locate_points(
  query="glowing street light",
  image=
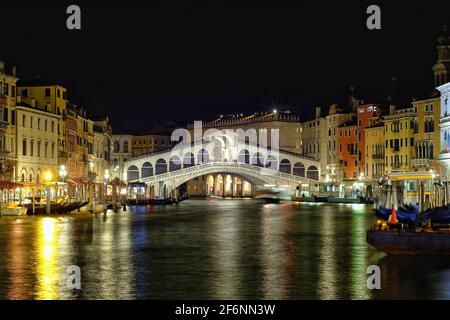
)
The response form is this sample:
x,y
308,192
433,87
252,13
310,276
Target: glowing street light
x,y
106,175
48,176
62,171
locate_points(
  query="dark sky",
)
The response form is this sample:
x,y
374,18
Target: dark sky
x,y
149,64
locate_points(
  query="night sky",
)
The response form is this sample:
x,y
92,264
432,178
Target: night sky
x,y
143,65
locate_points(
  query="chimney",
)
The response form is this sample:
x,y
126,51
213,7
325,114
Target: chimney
x,y
318,111
333,109
13,71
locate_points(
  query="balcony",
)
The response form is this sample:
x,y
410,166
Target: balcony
x,y
420,162
378,156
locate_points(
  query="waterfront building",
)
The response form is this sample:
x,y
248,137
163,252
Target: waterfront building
x,y
375,152
286,122
367,115
8,96
348,151
444,124
48,96
148,143
36,142
399,139
314,141
426,134
100,163
336,117
121,152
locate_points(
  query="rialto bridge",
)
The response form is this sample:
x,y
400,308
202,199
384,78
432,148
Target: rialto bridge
x,y
163,172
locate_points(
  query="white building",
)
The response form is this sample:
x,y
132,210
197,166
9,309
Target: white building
x,y
36,133
444,124
121,151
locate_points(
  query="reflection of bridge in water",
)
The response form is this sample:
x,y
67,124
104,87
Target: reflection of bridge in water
x,y
163,172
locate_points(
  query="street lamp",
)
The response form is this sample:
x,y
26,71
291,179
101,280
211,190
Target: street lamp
x,y
48,177
62,174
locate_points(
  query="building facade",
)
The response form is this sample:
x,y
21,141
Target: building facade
x,y
426,134
121,151
444,124
348,150
36,143
399,140
375,152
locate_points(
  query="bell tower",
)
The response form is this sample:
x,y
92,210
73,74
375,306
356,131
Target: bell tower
x,y
442,67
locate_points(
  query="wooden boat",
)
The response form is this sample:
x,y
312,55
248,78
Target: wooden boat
x,y
410,243
55,208
12,210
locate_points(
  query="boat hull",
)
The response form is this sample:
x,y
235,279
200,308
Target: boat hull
x,y
410,243
402,215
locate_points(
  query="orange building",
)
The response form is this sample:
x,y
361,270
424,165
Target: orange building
x,y
348,150
367,115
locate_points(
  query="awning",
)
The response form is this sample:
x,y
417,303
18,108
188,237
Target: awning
x,y
77,181
8,185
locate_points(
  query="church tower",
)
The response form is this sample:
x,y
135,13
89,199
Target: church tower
x,y
442,67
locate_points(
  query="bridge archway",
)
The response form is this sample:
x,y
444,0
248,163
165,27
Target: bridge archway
x,y
258,159
299,169
146,170
132,173
285,166
312,173
202,156
188,160
174,163
244,156
161,166
272,163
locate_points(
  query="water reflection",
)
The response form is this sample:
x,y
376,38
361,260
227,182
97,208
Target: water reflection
x,y
47,264
209,250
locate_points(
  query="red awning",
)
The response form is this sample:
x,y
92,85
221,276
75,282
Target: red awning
x,y
8,185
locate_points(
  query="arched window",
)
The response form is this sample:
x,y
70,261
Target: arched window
x,y
299,169
125,146
285,166
161,166
244,156
174,163
258,159
116,147
272,163
202,156
132,173
312,173
147,170
188,160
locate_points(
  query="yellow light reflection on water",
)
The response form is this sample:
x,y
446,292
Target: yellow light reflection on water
x,y
47,267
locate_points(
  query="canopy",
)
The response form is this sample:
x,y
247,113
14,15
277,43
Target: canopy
x,y
8,185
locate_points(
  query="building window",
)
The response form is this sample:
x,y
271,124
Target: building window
x,y
125,146
5,114
39,123
53,150
13,117
47,92
24,118
39,148
31,147
53,126
24,147
45,125
58,93
31,122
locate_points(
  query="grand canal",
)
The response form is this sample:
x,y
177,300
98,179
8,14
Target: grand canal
x,y
200,249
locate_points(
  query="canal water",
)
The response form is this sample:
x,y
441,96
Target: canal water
x,y
202,249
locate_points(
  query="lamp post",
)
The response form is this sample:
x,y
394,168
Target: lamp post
x,y
62,174
48,177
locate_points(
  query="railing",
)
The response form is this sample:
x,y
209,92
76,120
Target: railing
x,y
260,171
420,162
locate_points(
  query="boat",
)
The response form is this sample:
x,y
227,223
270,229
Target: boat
x,y
214,197
160,201
405,214
55,208
437,215
12,210
410,243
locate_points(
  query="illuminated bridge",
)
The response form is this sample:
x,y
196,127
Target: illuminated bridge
x,y
163,172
